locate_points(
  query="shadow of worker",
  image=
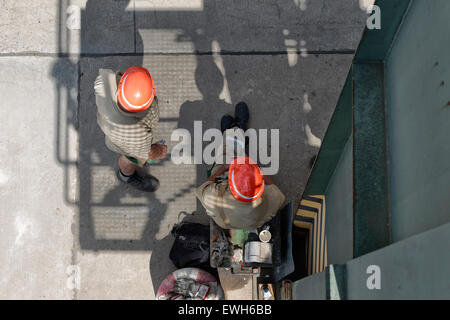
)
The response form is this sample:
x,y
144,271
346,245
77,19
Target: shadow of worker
x,y
208,111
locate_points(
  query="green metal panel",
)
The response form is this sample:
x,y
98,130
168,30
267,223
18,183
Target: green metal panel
x,y
375,44
418,93
338,132
336,282
370,177
401,153
339,209
415,268
310,288
329,284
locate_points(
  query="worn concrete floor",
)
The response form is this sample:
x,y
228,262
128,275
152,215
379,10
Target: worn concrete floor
x,y
68,228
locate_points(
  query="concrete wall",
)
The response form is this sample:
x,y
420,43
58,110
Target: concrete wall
x,y
418,111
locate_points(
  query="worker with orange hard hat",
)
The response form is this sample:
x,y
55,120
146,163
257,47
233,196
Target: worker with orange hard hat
x,y
246,200
127,114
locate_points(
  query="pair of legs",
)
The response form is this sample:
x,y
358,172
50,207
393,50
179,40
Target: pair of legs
x,y
126,166
240,120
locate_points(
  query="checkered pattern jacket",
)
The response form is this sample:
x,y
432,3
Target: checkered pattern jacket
x,y
127,135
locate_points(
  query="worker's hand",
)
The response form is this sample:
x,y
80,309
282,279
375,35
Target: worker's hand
x,y
219,172
158,151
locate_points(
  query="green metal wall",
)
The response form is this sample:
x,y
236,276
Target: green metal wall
x,y
418,120
415,268
387,187
339,209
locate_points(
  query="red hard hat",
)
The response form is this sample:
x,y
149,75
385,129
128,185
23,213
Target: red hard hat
x,y
245,179
136,89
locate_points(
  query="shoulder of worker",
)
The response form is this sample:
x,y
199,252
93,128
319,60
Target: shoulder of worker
x,y
210,189
201,190
274,194
100,81
105,89
273,202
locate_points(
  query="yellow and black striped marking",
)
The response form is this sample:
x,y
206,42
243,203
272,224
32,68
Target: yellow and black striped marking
x,y
311,216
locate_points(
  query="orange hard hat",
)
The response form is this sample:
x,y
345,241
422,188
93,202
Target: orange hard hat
x,y
136,89
245,179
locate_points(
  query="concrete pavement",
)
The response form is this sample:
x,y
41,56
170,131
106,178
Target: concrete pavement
x,y
69,229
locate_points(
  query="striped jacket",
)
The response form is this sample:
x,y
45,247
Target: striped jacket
x,y
130,134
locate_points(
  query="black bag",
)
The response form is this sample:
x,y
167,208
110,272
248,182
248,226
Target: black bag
x,y
191,246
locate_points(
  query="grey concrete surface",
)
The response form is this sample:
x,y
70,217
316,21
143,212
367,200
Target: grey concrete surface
x,y
29,26
36,242
126,26
64,214
249,26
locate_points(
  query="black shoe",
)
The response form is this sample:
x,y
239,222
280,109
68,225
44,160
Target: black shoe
x,y
241,115
227,122
145,182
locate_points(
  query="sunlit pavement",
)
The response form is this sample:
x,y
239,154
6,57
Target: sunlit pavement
x,y
69,229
